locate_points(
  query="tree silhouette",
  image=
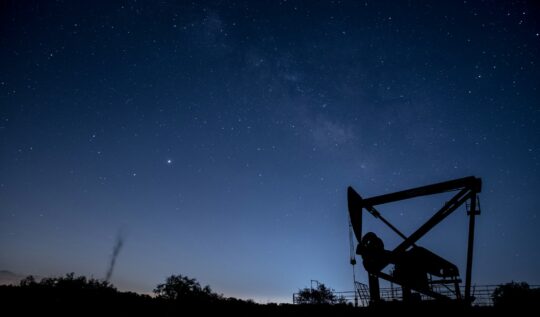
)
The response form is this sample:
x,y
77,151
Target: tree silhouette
x,y
319,295
187,290
515,294
75,295
68,283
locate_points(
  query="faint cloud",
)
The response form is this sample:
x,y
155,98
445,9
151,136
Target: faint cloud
x,y
10,278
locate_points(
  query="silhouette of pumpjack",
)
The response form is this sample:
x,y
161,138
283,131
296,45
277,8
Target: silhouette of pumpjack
x,y
414,266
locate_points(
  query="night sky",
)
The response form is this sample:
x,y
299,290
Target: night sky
x,y
218,138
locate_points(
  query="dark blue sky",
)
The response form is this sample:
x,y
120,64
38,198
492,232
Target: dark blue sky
x,y
220,137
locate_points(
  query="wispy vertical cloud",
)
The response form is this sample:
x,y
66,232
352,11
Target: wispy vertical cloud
x,y
116,251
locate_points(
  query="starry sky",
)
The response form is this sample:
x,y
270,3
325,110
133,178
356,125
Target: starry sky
x,y
217,139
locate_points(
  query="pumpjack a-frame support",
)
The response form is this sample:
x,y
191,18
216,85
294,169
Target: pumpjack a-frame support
x,y
413,264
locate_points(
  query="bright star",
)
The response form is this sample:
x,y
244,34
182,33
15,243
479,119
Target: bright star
x,y
169,161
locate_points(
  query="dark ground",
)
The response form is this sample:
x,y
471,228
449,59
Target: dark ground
x,y
43,301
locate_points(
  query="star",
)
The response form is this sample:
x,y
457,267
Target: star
x,y
169,161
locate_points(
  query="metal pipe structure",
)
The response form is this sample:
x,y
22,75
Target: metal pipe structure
x,y
413,264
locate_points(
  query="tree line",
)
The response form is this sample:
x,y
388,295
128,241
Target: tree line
x,y
177,293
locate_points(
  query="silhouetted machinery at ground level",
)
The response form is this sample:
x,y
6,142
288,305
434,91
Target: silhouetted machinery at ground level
x,y
415,268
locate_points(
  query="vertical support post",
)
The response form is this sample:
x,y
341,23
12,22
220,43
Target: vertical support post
x,y
470,246
374,291
457,291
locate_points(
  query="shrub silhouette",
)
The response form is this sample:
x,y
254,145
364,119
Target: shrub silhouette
x,y
319,295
